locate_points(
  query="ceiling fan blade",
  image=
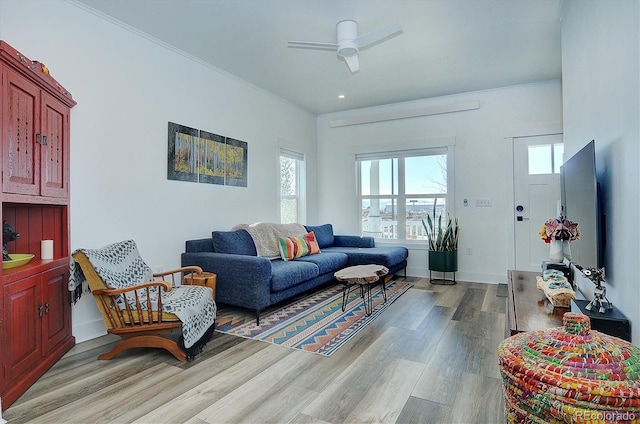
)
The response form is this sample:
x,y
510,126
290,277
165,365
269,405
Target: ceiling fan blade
x,y
353,63
378,36
312,45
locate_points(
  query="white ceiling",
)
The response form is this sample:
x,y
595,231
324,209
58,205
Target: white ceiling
x,y
447,46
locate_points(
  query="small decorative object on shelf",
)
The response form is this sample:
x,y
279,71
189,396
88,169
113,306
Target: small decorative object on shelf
x,y
556,287
17,259
8,234
600,293
559,233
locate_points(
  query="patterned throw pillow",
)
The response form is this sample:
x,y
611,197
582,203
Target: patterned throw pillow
x,y
292,247
312,243
297,247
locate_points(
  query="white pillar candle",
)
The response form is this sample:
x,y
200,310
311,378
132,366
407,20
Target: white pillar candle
x,y
46,249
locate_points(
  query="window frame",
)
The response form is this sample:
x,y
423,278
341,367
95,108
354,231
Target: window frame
x,y
402,196
300,177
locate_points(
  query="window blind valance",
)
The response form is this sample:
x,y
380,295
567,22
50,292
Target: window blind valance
x,y
401,153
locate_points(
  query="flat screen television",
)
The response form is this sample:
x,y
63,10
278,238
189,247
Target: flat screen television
x,y
581,203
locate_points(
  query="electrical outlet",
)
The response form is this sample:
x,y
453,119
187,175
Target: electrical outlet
x,y
483,203
469,251
158,269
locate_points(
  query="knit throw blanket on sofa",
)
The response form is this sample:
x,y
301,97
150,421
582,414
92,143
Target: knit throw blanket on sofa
x,y
119,265
266,236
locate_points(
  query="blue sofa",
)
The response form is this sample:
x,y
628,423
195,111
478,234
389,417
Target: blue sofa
x,y
250,281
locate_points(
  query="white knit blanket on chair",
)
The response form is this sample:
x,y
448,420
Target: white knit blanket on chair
x,y
120,265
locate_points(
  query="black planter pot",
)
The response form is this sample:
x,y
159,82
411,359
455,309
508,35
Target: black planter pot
x,y
443,261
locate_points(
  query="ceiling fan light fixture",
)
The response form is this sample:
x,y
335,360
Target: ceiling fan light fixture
x,y
348,51
348,43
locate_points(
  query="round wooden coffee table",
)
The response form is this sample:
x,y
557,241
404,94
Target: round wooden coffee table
x,y
364,276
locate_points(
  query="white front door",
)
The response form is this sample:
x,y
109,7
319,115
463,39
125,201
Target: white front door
x,y
536,174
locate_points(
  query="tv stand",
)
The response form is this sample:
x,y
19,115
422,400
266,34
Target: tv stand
x,y
527,307
612,322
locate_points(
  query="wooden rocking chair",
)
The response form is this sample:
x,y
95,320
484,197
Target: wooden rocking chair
x,y
138,326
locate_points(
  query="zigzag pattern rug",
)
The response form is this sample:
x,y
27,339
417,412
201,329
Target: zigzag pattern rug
x,y
314,323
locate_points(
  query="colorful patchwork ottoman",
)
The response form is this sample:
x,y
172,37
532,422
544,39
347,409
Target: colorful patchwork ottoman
x,y
570,374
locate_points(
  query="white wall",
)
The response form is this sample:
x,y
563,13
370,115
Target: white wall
x,y
482,165
127,88
601,72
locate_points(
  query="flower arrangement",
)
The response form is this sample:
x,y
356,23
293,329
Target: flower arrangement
x,y
559,229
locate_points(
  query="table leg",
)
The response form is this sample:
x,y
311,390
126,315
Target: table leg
x,y
384,290
365,292
346,289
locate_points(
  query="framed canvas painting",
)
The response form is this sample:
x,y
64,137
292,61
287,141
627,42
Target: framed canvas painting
x,y
182,159
236,163
211,158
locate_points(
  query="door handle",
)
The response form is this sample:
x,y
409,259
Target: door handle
x,y
521,218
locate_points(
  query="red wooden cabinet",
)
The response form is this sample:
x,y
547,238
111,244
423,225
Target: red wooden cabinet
x,y
54,148
20,118
36,328
35,313
23,347
35,138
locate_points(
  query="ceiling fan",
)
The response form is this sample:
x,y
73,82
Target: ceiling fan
x,y
348,43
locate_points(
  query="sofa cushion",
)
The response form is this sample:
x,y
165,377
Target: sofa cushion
x,y
312,242
285,274
237,242
292,247
387,255
327,262
297,247
324,234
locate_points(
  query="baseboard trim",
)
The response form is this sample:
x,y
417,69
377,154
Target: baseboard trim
x,y
472,277
88,331
2,421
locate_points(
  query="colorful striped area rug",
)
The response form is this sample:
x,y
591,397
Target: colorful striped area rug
x,y
314,323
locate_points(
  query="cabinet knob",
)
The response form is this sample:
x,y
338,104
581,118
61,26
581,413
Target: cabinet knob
x,y
46,307
38,138
44,140
40,311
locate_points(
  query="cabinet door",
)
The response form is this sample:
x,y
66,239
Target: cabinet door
x,y
20,123
21,326
54,148
56,320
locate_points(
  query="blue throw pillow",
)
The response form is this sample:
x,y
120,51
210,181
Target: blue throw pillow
x,y
324,234
237,242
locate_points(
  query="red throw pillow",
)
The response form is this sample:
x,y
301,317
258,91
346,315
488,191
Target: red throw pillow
x,y
312,243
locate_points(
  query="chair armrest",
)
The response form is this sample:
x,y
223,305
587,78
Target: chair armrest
x,y
353,241
195,269
114,292
177,273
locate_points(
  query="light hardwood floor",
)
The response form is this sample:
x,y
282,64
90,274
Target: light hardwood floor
x,y
431,357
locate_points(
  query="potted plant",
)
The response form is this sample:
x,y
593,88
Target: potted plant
x,y
443,233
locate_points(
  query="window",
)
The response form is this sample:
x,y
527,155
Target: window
x,y
291,187
398,189
545,158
